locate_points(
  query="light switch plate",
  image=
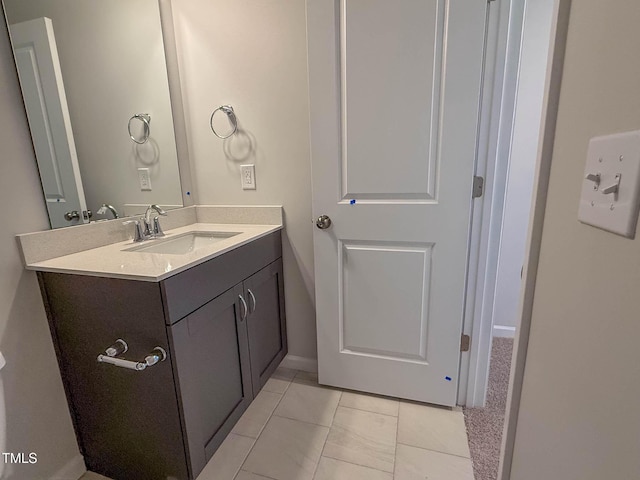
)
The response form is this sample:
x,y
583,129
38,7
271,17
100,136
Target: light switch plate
x,y
608,157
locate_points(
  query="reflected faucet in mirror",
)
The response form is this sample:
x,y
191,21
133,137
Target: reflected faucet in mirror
x,y
103,209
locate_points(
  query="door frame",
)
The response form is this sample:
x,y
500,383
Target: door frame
x,y
502,54
495,140
478,248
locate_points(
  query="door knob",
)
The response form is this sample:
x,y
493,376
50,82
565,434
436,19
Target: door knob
x,y
69,216
323,222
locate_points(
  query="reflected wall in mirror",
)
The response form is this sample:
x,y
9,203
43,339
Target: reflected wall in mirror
x,y
87,67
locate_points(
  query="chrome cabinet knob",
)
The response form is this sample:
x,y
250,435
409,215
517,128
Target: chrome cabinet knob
x,y
323,222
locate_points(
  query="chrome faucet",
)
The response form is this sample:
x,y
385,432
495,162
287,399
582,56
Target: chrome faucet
x,y
153,230
138,236
111,208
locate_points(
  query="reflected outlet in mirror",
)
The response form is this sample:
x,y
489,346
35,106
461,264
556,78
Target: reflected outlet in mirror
x,y
183,244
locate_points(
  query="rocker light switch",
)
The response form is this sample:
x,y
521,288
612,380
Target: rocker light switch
x,y
610,196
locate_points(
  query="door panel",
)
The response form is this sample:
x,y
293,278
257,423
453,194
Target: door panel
x,y
395,94
45,100
390,97
364,274
212,360
266,322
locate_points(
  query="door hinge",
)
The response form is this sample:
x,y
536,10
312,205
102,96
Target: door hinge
x,y
465,343
478,187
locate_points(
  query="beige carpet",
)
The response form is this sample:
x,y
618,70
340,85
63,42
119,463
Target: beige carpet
x,y
484,425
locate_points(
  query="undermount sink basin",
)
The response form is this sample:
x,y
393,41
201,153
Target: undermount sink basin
x,y
183,244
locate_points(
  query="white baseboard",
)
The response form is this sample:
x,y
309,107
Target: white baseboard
x,y
72,470
504,331
300,363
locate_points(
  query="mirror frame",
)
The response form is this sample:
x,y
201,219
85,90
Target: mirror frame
x,y
175,97
177,103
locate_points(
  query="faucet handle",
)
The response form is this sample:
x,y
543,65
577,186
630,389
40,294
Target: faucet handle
x,y
148,231
138,236
157,229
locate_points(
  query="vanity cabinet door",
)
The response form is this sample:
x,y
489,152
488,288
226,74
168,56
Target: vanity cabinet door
x,y
266,322
211,357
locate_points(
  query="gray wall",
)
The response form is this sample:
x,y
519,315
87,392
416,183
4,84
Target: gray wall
x,y
37,415
578,416
253,55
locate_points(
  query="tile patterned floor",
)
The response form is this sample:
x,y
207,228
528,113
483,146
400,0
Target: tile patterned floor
x,y
298,430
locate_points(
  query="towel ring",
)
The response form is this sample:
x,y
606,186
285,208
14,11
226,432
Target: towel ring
x,y
145,118
231,115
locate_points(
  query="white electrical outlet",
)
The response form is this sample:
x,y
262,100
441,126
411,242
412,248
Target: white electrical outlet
x,y
144,179
248,177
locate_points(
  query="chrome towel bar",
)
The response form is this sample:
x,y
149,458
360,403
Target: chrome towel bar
x,y
158,354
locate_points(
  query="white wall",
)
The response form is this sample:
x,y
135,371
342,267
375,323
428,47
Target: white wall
x,y
524,145
578,418
37,415
121,74
253,56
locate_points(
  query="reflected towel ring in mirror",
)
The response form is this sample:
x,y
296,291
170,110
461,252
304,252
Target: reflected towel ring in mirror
x,y
228,109
145,118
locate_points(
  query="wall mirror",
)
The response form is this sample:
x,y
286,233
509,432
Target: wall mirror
x,y
97,93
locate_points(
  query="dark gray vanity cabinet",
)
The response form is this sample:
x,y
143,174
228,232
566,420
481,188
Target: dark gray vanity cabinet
x,y
223,327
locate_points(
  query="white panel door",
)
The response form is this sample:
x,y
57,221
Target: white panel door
x,y
395,95
45,100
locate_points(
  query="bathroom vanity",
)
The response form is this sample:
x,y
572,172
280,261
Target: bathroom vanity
x,y
202,338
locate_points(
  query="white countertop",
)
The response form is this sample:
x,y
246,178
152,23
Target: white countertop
x,y
115,262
